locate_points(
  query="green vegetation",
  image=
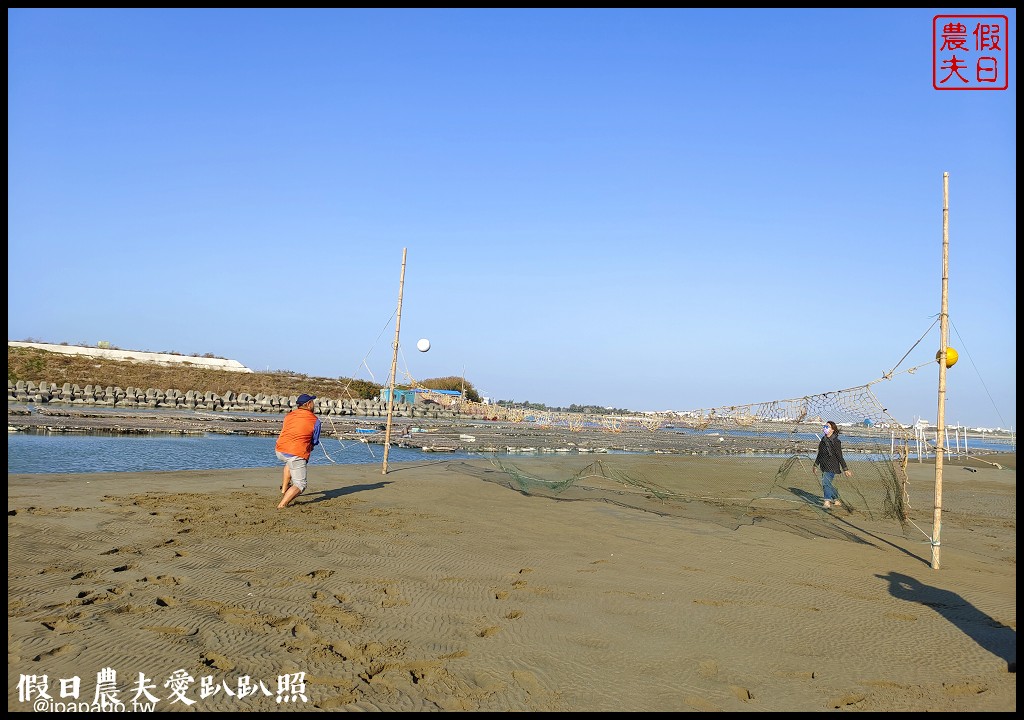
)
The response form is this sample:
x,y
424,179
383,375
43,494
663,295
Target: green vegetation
x,y
30,364
454,383
574,408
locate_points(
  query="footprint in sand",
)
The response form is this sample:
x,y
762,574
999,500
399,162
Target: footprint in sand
x,y
61,626
216,660
56,652
846,700
160,580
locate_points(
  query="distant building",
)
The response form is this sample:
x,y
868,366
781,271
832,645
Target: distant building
x,y
419,395
165,359
407,397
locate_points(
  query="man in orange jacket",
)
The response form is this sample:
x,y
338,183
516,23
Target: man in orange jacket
x,y
300,433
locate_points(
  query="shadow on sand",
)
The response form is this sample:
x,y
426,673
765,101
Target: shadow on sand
x,y
340,492
992,635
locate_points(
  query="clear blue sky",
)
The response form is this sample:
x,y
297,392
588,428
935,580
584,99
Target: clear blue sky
x,y
643,209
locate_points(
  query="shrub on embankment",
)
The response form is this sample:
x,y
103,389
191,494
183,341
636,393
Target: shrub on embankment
x,y
32,365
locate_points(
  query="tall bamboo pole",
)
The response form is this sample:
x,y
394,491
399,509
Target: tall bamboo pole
x,y
394,367
943,340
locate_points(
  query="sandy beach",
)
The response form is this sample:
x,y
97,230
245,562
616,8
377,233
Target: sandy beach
x,y
441,587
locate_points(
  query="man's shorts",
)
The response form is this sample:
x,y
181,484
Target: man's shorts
x,y
297,469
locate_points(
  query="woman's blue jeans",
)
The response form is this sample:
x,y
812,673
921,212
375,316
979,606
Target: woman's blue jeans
x,y
827,487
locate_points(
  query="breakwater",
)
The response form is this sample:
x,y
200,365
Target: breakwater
x,y
69,394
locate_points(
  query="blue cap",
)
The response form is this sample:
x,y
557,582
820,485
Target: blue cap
x,y
304,398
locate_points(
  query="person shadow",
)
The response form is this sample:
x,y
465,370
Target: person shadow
x,y
989,633
332,493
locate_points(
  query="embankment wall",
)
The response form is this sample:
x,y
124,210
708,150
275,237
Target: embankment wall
x,y
47,393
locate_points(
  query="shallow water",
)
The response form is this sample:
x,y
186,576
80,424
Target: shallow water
x,y
79,453
86,453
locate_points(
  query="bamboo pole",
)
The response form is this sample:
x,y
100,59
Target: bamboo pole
x,y
394,367
943,340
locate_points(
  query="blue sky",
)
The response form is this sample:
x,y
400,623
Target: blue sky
x,y
643,209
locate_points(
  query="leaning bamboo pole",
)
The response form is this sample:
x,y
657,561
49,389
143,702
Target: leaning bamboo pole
x,y
943,340
394,368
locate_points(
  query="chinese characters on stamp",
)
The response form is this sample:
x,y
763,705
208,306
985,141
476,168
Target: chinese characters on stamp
x,y
970,52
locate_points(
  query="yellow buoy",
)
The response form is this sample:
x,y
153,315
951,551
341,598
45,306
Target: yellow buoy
x,y
951,356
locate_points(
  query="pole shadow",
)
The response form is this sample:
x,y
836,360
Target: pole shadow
x,y
411,465
989,633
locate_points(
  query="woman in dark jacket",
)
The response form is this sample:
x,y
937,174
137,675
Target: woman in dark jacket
x,y
830,460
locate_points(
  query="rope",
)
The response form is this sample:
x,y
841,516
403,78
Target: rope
x,y
346,393
888,375
963,345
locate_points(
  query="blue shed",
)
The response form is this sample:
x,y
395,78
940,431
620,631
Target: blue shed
x,y
401,396
410,396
